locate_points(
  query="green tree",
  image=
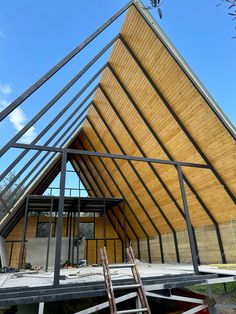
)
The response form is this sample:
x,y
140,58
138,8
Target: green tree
x,y
12,194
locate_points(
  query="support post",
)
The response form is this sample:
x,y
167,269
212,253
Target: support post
x,y
189,227
104,225
41,308
124,220
21,256
3,252
78,229
49,234
70,225
60,220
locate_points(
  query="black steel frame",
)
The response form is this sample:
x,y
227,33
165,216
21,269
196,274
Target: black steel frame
x,y
65,152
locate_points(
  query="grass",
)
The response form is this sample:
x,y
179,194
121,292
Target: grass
x,y
217,289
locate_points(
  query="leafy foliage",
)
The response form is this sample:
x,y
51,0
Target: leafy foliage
x,y
5,201
156,4
231,7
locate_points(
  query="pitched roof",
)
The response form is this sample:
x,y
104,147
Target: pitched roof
x,y
149,103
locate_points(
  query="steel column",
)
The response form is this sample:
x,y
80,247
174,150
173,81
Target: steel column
x,y
78,230
49,235
24,228
60,220
188,220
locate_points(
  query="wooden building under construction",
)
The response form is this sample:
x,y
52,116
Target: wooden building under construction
x,y
154,153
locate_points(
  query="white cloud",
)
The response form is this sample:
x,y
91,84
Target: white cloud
x,y
17,117
2,34
5,89
19,120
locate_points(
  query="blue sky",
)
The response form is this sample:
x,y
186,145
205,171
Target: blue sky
x,y
35,35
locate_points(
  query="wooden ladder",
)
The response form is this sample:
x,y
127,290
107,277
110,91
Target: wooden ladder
x,y
142,299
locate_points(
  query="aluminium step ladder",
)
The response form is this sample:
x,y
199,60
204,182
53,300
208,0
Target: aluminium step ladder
x,y
142,298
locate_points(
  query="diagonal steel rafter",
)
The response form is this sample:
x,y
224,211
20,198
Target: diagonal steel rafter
x,y
62,63
39,152
51,158
53,121
60,127
56,98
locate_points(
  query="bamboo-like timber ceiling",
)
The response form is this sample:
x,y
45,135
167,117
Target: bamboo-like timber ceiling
x,y
127,112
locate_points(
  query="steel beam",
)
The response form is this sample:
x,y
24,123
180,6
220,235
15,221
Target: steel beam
x,y
108,155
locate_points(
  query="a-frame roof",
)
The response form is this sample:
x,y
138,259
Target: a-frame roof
x,y
148,103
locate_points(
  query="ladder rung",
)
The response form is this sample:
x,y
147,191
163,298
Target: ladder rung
x,y
132,311
127,286
121,266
